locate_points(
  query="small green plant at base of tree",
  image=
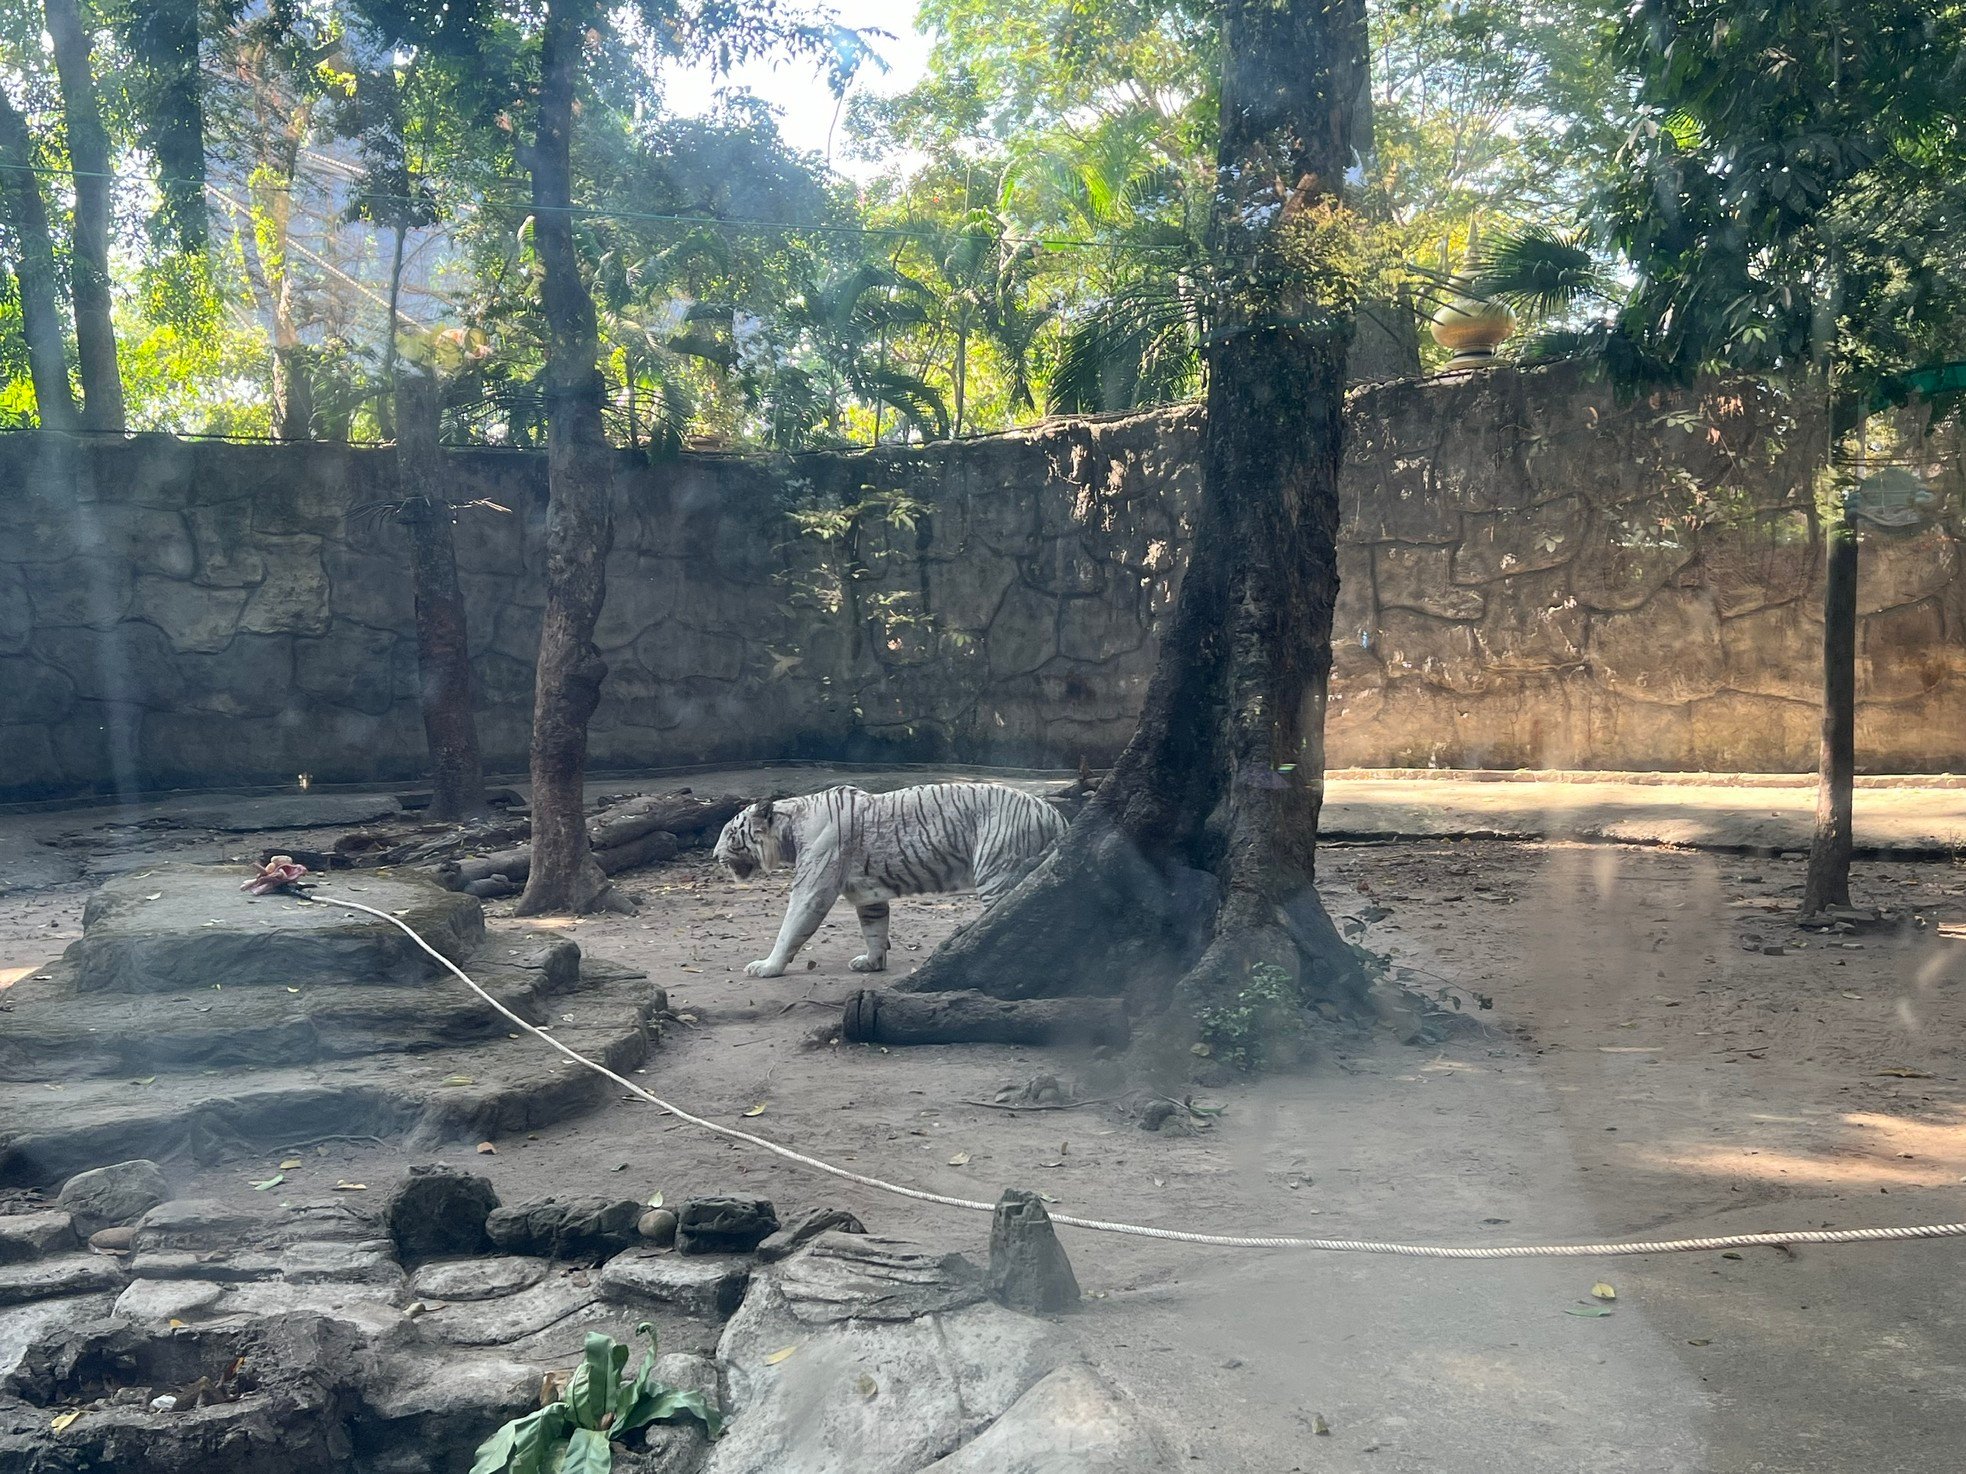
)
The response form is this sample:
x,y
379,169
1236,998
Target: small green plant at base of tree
x,y
573,1435
1264,1024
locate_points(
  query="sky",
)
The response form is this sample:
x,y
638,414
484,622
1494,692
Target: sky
x,y
805,105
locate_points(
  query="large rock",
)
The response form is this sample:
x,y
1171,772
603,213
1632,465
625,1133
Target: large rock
x,y
830,1373
843,1277
724,1225
588,1229
112,1196
1072,1422
438,1211
182,928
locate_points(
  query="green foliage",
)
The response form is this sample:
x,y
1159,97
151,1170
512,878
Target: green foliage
x,y
573,1434
1792,194
1670,186
1262,1026
1541,271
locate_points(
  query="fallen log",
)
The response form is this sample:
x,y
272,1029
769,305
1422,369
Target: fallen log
x,y
650,849
680,814
516,864
881,1016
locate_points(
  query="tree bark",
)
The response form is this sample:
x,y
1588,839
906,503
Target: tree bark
x,y
281,130
89,284
1195,860
1827,883
40,300
443,646
579,524
399,233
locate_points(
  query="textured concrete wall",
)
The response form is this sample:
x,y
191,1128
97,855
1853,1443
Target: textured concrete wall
x,y
1534,574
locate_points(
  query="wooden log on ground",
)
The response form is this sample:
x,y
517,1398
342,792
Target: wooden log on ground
x,y
650,849
514,865
881,1016
681,814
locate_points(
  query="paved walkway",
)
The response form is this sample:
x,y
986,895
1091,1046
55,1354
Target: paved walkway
x,y
1893,817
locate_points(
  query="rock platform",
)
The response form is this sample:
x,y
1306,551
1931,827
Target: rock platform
x,y
194,1020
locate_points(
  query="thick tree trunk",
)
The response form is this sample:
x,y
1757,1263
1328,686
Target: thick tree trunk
x,y
89,284
443,647
1828,880
1195,861
579,525
40,300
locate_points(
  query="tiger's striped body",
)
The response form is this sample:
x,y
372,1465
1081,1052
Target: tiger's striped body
x,y
874,847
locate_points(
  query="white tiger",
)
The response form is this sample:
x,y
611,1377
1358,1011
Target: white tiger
x,y
872,847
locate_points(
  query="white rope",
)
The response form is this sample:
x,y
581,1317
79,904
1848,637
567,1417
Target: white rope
x,y
1182,1236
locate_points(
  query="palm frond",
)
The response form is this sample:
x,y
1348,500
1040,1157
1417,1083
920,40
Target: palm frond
x,y
1540,272
1138,347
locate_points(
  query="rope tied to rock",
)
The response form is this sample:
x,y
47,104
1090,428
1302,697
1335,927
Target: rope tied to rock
x,y
1174,1235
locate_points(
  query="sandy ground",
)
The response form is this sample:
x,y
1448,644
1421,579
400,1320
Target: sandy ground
x,y
1666,1055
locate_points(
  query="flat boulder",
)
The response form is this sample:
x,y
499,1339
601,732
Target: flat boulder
x,y
59,1277
489,1278
842,1277
703,1288
176,928
26,1236
112,1196
814,1222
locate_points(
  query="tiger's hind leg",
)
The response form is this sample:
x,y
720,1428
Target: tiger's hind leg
x,y
873,930
998,877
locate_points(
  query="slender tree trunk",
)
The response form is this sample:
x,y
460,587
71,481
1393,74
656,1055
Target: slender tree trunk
x,y
40,301
1195,860
579,525
962,371
386,404
443,646
89,284
1827,883
270,272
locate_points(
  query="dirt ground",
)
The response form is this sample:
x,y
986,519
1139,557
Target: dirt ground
x,y
1666,1056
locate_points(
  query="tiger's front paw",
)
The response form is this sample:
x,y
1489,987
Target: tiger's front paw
x,y
764,968
867,962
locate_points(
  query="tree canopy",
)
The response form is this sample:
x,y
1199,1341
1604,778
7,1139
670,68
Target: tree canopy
x,y
305,192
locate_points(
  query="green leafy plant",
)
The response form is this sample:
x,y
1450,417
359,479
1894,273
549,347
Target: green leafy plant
x,y
1263,1025
574,1434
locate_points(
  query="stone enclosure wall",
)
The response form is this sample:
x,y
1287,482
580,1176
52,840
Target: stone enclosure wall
x,y
1534,574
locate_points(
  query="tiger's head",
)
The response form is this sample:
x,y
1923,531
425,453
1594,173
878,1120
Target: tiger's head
x,y
759,838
